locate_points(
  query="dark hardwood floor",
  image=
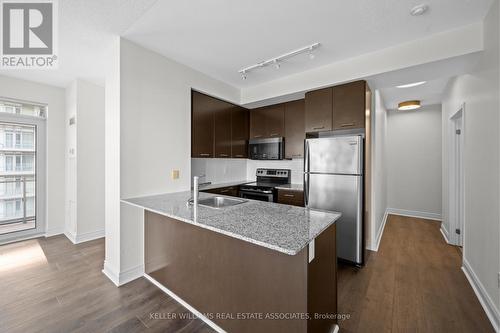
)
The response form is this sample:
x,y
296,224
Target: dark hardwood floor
x,y
414,283
51,285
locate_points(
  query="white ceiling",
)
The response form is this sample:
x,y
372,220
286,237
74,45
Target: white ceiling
x,y
219,37
436,74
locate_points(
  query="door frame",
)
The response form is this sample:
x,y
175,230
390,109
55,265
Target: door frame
x,y
40,174
456,178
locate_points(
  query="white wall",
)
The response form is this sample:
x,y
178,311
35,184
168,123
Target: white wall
x,y
90,160
71,162
149,96
479,91
55,99
84,161
414,161
379,171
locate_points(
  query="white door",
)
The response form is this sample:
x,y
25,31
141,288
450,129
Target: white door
x,y
22,176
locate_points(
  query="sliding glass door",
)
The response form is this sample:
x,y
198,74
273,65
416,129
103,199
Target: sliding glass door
x,y
22,175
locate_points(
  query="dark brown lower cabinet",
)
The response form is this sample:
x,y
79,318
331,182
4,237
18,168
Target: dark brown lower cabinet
x,y
291,197
225,277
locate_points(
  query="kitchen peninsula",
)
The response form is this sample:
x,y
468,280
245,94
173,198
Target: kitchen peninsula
x,y
252,267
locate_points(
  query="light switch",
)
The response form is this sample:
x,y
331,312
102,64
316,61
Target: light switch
x,y
175,174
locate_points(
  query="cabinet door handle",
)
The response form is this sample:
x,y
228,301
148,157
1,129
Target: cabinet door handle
x,y
274,134
224,191
297,155
257,136
347,125
289,195
238,155
318,128
223,155
204,155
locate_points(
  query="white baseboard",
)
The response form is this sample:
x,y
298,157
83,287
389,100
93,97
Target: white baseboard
x,y
380,233
54,232
414,213
84,237
121,278
71,236
185,304
485,300
444,232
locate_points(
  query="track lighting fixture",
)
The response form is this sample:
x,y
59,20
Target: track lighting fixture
x,y
276,62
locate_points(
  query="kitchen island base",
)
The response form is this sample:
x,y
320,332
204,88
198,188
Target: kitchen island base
x,y
240,286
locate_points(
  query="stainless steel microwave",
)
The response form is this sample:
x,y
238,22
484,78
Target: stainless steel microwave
x,y
266,149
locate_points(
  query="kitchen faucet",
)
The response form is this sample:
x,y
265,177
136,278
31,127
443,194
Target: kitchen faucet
x,y
196,184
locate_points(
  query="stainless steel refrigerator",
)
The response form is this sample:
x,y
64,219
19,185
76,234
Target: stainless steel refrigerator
x,y
333,180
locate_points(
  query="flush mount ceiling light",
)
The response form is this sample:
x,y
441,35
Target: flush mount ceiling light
x,y
276,62
419,10
409,105
411,85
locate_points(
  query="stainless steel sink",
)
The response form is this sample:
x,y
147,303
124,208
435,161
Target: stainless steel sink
x,y
220,202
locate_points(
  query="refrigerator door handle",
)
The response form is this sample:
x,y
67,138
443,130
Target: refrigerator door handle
x,y
307,159
306,189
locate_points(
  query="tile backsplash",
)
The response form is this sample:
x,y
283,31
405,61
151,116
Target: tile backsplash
x,y
219,170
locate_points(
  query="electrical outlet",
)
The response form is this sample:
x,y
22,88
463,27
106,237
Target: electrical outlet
x,y
175,174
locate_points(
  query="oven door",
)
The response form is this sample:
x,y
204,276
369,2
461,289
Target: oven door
x,y
257,195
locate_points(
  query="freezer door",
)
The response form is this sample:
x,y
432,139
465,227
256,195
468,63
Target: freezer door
x,y
344,194
338,155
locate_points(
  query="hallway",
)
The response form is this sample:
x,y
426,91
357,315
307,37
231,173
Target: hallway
x,y
414,283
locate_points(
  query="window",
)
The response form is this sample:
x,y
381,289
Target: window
x,y
18,163
28,140
18,140
27,163
8,140
7,106
8,163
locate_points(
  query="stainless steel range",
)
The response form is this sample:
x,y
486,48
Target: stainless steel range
x,y
264,188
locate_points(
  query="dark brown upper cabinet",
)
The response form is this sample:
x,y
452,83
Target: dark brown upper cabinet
x,y
275,120
202,125
318,114
294,129
222,129
219,129
239,132
349,105
258,123
267,122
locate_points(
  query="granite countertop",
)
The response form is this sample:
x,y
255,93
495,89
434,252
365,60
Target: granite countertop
x,y
292,187
283,228
225,184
